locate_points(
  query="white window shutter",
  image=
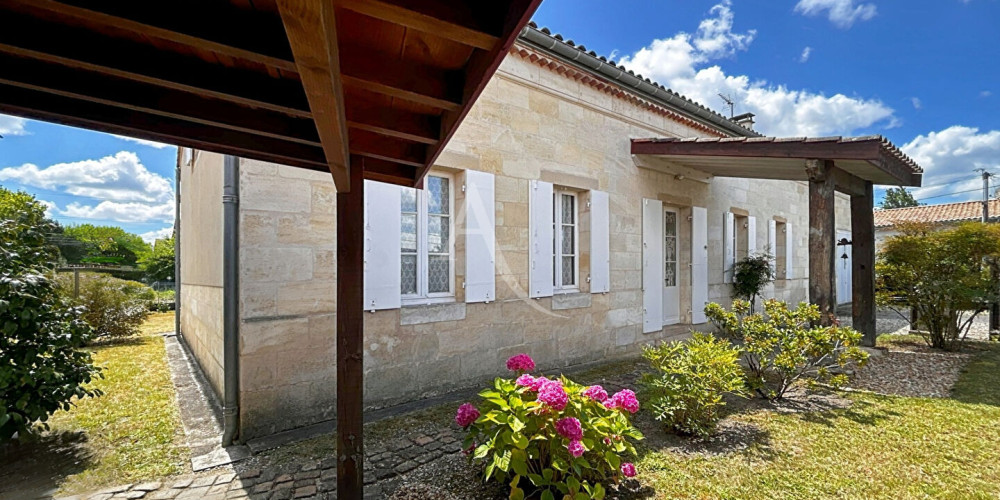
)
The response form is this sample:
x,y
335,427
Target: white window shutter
x,y
652,265
540,239
772,245
751,235
600,243
728,247
699,264
382,246
480,237
789,251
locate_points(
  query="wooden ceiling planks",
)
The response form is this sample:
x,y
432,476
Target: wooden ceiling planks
x,y
233,76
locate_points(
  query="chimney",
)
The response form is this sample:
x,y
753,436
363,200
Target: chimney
x,y
745,120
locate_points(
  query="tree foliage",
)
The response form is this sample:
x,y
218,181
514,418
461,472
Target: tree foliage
x,y
107,245
899,198
942,273
42,367
159,264
750,276
780,347
114,308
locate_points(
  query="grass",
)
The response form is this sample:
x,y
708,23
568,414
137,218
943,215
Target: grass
x,y
131,433
880,447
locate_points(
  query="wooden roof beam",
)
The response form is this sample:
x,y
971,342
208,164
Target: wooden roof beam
x,y
146,98
422,20
365,70
372,145
115,120
312,32
394,123
390,172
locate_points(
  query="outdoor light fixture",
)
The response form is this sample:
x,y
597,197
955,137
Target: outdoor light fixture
x,y
843,243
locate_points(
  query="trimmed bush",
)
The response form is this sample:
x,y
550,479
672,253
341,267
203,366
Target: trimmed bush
x,y
554,437
779,347
690,380
115,308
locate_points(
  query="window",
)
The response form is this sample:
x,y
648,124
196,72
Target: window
x,y
740,236
780,250
670,248
427,269
565,247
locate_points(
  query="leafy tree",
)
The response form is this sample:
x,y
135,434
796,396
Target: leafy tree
x,y
942,273
42,367
899,198
750,276
108,245
159,264
114,308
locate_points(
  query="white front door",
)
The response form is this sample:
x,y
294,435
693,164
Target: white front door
x,y
671,290
843,267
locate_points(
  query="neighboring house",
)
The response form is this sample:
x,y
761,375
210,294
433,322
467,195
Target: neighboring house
x,y
537,231
945,214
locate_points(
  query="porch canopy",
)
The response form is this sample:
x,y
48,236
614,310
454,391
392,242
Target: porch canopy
x,y
828,164
363,89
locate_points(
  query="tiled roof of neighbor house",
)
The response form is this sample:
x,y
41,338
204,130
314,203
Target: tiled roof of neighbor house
x,y
589,61
946,212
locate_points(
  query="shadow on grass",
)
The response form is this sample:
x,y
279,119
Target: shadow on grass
x,y
36,465
979,382
860,412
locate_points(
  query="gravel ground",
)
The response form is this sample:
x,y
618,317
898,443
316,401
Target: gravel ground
x,y
911,373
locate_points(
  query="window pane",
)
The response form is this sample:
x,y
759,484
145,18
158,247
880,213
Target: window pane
x,y
670,250
409,233
670,274
568,214
409,200
437,234
408,275
670,228
568,244
438,195
439,277
568,271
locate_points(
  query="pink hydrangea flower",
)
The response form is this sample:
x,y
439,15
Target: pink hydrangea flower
x,y
466,415
624,399
537,383
553,394
628,469
569,428
525,380
597,393
576,448
520,363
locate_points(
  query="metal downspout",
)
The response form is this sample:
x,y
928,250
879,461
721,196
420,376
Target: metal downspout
x,y
177,244
230,300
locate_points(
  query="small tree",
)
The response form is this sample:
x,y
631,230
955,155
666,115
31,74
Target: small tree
x,y
898,198
114,308
780,347
159,264
942,273
750,276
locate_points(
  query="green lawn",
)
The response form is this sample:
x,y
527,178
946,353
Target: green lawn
x,y
129,434
879,447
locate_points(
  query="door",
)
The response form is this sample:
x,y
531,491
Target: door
x,y
671,291
843,267
652,265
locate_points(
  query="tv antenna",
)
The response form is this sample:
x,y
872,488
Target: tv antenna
x,y
729,102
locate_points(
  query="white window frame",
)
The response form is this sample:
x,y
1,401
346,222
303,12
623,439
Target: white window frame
x,y
423,296
557,254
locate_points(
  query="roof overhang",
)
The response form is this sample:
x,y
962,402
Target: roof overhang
x,y
316,84
872,159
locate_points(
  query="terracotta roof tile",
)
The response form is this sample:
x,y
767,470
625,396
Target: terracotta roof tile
x,y
946,212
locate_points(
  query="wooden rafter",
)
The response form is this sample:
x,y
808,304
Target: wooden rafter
x,y
312,33
421,21
367,70
395,123
373,145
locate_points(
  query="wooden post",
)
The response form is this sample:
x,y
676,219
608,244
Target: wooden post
x,y
350,335
863,258
822,230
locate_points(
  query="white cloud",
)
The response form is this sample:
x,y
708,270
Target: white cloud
x,y
151,236
806,52
780,111
842,13
120,178
949,158
916,103
121,212
985,93
12,125
144,142
50,207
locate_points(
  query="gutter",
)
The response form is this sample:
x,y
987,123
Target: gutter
x,y
626,79
230,299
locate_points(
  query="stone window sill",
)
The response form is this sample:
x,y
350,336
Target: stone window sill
x,y
563,301
431,313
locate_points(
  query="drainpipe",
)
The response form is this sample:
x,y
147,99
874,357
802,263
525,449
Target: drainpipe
x,y
177,243
230,300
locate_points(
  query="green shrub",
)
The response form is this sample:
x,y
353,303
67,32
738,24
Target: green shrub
x,y
690,380
779,347
750,276
42,367
115,308
556,437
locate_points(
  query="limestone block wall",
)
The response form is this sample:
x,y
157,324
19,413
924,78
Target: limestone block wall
x,y
201,264
287,297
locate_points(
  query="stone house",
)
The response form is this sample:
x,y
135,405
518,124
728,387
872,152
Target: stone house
x,y
942,213
537,231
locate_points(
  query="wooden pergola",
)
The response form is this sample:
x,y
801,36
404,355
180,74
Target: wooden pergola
x,y
364,89
829,164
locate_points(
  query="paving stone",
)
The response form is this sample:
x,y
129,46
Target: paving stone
x,y
154,485
183,483
219,489
281,494
303,482
202,481
310,466
193,493
100,496
433,445
328,474
423,440
236,495
311,474
262,487
164,494
401,444
132,495
116,489
405,467
283,478
305,491
225,478
250,473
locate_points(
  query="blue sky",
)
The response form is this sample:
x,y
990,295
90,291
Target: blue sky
x,y
923,73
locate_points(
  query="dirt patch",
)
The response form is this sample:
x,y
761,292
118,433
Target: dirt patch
x,y
914,373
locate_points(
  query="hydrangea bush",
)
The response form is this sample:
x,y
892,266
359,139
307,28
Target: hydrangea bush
x,y
552,436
